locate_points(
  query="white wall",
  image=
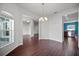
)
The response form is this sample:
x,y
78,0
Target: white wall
x,y
43,30
32,28
53,28
26,28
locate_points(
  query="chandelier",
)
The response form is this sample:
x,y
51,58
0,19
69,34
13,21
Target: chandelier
x,y
43,17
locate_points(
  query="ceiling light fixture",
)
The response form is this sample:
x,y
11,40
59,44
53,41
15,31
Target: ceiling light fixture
x,y
43,18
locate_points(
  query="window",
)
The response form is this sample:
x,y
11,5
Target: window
x,y
6,29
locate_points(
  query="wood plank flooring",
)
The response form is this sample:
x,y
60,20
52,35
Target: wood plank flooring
x,y
36,47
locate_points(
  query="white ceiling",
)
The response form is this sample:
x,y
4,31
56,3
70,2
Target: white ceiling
x,y
50,8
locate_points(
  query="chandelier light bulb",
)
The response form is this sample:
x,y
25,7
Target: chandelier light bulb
x,y
40,18
45,18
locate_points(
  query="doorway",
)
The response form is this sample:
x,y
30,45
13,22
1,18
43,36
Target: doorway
x,y
70,34
36,30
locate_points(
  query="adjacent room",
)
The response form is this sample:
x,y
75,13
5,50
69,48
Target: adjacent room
x,y
39,29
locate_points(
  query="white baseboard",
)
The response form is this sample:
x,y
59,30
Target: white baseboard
x,y
57,40
12,49
43,38
51,39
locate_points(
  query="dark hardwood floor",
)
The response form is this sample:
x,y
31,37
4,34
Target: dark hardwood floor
x,y
70,46
35,47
